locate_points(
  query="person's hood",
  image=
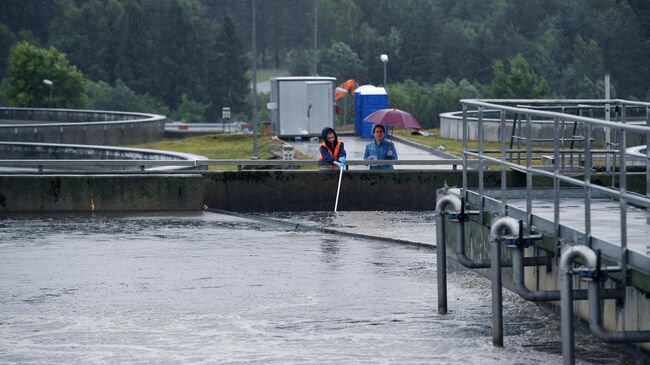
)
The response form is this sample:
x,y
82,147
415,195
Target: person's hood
x,y
326,130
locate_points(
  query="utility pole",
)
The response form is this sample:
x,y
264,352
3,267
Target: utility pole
x,y
315,70
608,131
254,81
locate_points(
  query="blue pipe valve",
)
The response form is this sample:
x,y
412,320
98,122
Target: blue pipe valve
x,y
457,217
588,275
524,241
511,241
461,216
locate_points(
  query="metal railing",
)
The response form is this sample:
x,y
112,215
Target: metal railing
x,y
622,130
142,165
587,124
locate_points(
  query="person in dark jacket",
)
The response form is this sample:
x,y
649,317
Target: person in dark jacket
x,y
332,151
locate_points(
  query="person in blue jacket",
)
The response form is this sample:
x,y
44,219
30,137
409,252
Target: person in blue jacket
x,y
332,151
380,149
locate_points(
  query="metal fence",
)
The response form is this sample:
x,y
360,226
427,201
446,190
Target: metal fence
x,y
631,122
142,165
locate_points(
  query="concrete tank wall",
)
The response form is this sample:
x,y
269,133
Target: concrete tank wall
x,y
51,193
316,190
52,151
79,126
247,191
243,191
451,127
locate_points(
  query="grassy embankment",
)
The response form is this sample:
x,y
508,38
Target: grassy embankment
x,y
455,147
224,147
239,146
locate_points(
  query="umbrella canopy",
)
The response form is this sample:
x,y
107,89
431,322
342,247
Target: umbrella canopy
x,y
394,118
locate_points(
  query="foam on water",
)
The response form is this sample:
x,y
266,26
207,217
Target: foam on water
x,y
205,288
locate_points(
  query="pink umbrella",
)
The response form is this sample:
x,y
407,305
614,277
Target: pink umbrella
x,y
394,118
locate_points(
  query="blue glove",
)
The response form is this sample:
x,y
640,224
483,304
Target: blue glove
x,y
342,161
340,165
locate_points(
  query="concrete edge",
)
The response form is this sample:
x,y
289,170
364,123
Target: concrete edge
x,y
322,229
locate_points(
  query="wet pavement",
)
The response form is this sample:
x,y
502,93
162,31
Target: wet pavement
x,y
205,288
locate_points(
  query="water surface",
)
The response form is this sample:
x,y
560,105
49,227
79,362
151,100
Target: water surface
x,y
204,288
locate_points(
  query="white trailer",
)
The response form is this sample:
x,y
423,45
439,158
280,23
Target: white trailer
x,y
301,105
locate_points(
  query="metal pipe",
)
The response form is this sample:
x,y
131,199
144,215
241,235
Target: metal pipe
x,y
503,226
465,143
441,247
463,259
595,322
566,303
518,279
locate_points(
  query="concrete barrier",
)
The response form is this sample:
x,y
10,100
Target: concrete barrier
x,y
242,191
316,190
247,191
79,126
51,193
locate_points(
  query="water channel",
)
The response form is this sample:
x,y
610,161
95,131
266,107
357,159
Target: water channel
x,y
206,288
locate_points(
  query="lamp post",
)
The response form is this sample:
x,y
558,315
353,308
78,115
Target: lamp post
x,y
384,60
315,55
254,80
50,84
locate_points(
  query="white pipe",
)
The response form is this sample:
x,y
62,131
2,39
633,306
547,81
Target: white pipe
x,y
441,247
566,302
338,190
502,227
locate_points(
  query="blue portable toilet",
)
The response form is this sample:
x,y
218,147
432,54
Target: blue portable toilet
x,y
367,99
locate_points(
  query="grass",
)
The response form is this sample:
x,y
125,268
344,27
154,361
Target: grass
x,y
455,147
224,147
450,146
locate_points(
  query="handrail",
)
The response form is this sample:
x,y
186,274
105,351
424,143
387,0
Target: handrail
x,y
151,163
562,116
618,133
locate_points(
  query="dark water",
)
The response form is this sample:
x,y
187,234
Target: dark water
x,y
204,288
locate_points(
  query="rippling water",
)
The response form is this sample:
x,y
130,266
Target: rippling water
x,y
205,288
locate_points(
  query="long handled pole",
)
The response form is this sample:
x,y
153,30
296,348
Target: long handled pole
x,y
338,190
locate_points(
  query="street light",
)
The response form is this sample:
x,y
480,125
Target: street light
x,y
384,60
254,81
50,84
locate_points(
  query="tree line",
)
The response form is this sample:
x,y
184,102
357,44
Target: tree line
x,y
191,57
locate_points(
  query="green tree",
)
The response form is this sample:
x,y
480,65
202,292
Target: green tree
x,y
228,82
519,83
299,62
29,66
120,97
189,110
33,16
584,76
341,62
427,101
7,41
87,34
